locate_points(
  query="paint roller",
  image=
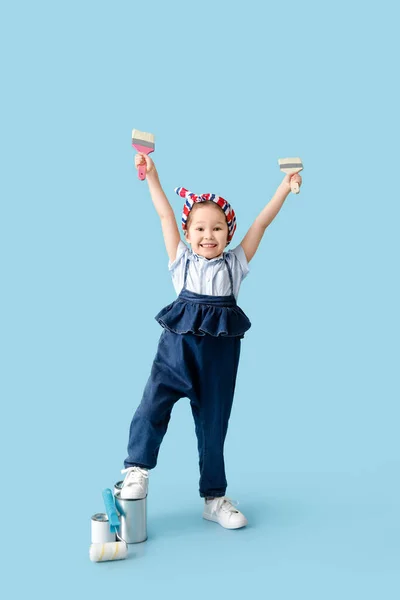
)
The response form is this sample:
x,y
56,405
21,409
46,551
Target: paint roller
x,y
109,550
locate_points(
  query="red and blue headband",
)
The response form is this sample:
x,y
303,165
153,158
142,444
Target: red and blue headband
x,y
190,200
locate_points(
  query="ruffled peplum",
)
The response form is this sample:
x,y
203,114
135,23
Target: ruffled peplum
x,y
204,315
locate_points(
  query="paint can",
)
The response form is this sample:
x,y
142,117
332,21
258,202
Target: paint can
x,y
118,486
133,518
101,533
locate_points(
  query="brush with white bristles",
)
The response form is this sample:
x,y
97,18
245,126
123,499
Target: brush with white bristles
x,y
291,166
144,143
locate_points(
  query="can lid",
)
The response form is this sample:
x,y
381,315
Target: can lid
x,y
100,517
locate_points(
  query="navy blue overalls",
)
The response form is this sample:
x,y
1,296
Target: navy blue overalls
x,y
197,358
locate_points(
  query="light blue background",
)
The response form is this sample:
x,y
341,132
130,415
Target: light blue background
x,y
313,450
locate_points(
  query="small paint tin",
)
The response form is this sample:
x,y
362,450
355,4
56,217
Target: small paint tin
x,y
101,533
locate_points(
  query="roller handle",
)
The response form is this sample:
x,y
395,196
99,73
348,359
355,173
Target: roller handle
x,y
110,509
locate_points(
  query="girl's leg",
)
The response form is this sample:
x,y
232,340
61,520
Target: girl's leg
x,y
168,382
217,364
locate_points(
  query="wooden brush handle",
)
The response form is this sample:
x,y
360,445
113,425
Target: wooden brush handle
x,y
294,187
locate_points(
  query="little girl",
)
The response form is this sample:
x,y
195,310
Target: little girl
x,y
198,351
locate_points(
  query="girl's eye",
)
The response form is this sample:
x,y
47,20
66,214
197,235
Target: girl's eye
x,y
217,228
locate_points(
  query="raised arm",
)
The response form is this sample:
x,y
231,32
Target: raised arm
x,y
254,235
164,209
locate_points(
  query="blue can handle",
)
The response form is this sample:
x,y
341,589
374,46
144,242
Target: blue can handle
x,y
110,509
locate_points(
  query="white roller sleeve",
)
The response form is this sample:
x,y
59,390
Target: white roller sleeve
x,y
109,551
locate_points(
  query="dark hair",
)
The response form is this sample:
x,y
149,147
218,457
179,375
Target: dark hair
x,y
209,202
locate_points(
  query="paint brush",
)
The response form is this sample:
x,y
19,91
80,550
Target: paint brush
x,y
143,142
291,166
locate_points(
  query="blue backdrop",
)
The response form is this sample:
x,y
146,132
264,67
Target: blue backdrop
x,y
312,451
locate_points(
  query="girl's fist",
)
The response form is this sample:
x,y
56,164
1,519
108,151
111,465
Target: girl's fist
x,y
292,178
142,159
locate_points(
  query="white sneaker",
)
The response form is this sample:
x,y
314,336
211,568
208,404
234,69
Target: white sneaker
x,y
222,511
135,484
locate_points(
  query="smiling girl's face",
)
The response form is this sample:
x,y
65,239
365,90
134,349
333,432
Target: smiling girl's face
x,y
207,230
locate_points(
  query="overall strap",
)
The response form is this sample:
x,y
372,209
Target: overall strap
x,y
186,271
230,273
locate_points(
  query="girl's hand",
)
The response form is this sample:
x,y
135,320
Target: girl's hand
x,y
292,178
144,159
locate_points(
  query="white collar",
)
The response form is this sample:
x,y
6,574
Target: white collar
x,y
209,260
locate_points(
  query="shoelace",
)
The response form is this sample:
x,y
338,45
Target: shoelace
x,y
136,475
225,504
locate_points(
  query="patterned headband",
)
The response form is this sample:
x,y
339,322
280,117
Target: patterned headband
x,y
222,203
